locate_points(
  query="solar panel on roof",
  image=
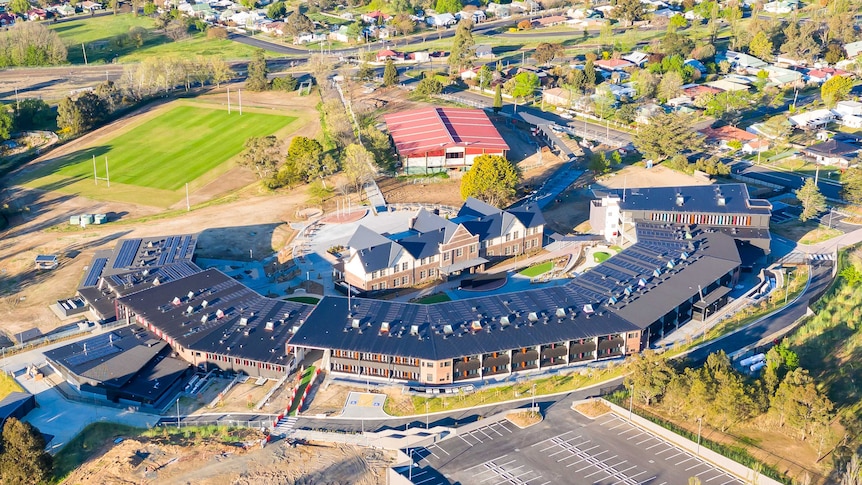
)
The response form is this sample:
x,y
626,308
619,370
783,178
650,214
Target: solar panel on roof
x,y
127,253
94,272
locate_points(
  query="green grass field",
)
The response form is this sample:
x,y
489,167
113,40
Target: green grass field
x,y
8,385
88,441
150,162
104,39
600,256
536,270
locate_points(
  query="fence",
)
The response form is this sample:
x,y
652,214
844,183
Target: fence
x,y
260,424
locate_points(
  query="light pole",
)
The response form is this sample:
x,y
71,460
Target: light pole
x,y
178,413
533,405
631,401
699,425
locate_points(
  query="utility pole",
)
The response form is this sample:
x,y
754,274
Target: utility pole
x,y
239,92
699,424
228,100
188,206
84,51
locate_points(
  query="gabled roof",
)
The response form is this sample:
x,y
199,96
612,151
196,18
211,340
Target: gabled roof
x,y
728,133
476,208
436,128
426,222
529,215
364,238
379,257
833,148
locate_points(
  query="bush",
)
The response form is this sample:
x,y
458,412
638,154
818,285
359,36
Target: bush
x,y
219,33
429,86
286,83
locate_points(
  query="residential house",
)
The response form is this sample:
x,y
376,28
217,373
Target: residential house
x,y
781,7
681,100
817,76
91,6
812,119
37,14
755,146
340,34
665,12
441,20
790,61
421,56
696,65
727,134
274,28
832,152
621,91
744,62
65,10
647,111
375,17
471,73
696,90
781,77
729,84
387,54
612,65
852,121
637,58
309,38
848,108
557,97
476,16
499,10
853,49
550,21
531,7
483,51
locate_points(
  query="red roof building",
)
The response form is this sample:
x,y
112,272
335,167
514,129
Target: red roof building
x,y
700,89
435,139
614,64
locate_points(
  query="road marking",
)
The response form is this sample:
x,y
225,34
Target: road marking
x,y
657,444
484,433
551,438
635,436
464,440
617,426
683,461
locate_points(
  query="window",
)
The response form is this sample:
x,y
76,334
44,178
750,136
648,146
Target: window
x,y
395,282
395,268
472,248
516,234
403,266
447,364
515,248
459,252
506,250
382,285
429,377
403,280
446,256
374,287
508,237
373,275
422,275
452,155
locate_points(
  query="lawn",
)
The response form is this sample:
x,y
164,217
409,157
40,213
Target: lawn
x,y
808,232
435,298
195,141
600,256
88,441
537,269
104,39
8,385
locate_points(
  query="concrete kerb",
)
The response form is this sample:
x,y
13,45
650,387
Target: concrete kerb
x,y
736,469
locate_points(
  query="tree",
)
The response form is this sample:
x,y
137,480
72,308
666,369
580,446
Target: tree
x,y
69,117
674,44
285,83
852,471
851,180
645,83
390,74
462,54
19,6
305,154
491,179
31,114
835,89
403,23
485,76
670,85
799,41
545,52
760,46
777,127
298,23
525,24
150,8
798,403
23,459
498,98
629,11
523,84
590,75
599,163
262,154
380,146
676,22
31,44
649,377
429,86
448,6
256,80
220,70
5,123
356,165
668,134
813,202
276,10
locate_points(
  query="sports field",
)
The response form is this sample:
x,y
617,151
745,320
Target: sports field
x,y
151,160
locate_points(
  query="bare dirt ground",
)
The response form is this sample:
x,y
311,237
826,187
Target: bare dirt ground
x,y
145,462
634,176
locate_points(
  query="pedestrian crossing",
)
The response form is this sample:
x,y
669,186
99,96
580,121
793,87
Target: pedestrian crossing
x,y
284,426
822,257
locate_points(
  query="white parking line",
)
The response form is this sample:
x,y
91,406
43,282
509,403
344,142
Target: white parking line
x,y
683,461
710,469
720,475
484,433
662,451
491,428
626,431
464,440
441,449
617,426
644,441
549,439
635,436
435,456
674,456
613,418
657,444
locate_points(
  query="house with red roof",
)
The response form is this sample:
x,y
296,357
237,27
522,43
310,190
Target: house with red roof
x,y
387,54
727,134
699,90
437,139
550,21
613,64
375,17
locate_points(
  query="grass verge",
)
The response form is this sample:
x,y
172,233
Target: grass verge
x,y
537,269
304,299
8,385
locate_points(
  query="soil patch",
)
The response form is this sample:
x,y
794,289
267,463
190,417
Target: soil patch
x,y
524,419
592,409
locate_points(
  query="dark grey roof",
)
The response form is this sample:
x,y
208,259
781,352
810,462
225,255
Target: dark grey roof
x,y
530,215
364,238
241,331
476,208
695,198
426,222
10,404
423,245
444,330
379,257
833,148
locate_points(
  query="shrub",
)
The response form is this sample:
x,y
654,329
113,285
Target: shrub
x,y
219,33
429,86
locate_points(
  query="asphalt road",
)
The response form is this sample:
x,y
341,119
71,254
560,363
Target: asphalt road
x,y
831,189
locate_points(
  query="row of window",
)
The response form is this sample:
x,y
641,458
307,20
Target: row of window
x,y
370,357
712,219
245,362
371,371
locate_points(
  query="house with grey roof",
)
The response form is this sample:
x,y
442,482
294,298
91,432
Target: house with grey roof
x,y
433,247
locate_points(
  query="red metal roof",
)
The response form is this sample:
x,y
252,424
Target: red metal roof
x,y
429,129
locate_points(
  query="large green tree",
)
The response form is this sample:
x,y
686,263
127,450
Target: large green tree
x,y
498,98
760,46
356,164
649,376
492,179
835,89
390,73
306,154
70,120
19,6
675,44
666,135
5,123
276,10
462,53
851,181
31,44
23,458
522,85
629,11
546,52
799,404
448,6
297,23
813,202
262,154
256,80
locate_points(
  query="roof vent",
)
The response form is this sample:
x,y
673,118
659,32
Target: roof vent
x,y
243,322
219,313
191,295
721,201
176,301
270,325
354,323
533,317
190,310
656,272
679,199
476,326
447,329
204,318
414,329
628,290
504,321
588,308
156,281
294,329
612,300
670,264
561,312
642,282
204,304
384,327
683,256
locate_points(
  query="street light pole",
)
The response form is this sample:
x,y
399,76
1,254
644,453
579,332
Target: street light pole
x,y
699,425
178,413
426,415
631,401
533,405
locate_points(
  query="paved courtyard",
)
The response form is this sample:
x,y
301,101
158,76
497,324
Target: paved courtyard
x,y
565,448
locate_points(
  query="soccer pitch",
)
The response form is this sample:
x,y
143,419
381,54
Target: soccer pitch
x,y
153,159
